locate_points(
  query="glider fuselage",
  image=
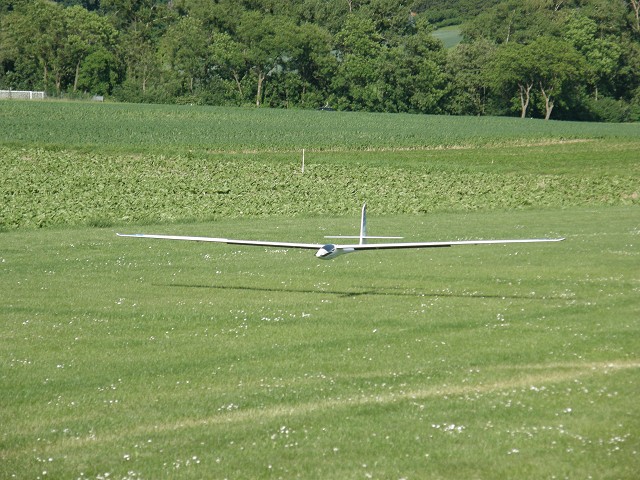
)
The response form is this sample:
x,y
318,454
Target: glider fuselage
x,y
329,251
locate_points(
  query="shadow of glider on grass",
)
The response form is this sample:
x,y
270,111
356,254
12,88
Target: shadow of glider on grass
x,y
330,250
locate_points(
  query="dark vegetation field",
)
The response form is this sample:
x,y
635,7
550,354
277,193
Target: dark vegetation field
x,y
129,359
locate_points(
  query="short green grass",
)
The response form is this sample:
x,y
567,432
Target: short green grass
x,y
128,358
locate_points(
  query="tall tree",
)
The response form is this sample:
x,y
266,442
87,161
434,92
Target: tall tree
x,y
218,16
519,21
547,65
124,13
602,54
88,35
424,58
141,24
512,69
141,62
360,49
265,38
468,86
36,34
392,18
635,8
228,64
329,14
313,64
558,69
183,51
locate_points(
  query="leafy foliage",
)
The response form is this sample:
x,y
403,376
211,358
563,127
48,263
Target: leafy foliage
x,y
369,55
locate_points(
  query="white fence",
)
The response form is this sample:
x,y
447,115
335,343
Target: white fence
x,y
22,94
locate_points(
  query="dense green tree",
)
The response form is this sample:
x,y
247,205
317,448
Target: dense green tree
x,y
392,18
11,5
468,87
548,66
424,59
558,69
360,50
518,21
142,68
634,5
90,37
228,67
567,58
41,34
142,24
268,47
451,12
125,13
101,72
90,5
45,36
602,54
511,75
218,15
329,14
183,51
611,16
313,64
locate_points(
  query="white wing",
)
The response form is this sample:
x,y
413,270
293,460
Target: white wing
x,y
259,243
328,251
349,247
380,246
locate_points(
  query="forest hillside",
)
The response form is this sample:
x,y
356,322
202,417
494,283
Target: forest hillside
x,y
560,59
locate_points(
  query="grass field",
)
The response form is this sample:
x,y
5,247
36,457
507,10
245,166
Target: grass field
x,y
450,35
129,359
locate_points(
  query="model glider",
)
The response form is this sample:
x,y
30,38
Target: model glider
x,y
330,250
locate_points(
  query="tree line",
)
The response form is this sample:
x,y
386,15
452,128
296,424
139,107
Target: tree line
x,y
566,59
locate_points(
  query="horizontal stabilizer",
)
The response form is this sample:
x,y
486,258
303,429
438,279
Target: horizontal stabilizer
x,y
356,236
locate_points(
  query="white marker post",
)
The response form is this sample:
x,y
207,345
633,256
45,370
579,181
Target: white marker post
x,y
303,161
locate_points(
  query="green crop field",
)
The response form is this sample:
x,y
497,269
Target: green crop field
x,y
111,164
125,358
165,129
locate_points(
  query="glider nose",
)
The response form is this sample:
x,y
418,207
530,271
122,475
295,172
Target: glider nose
x,y
326,251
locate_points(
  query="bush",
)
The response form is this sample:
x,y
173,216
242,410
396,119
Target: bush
x,y
609,110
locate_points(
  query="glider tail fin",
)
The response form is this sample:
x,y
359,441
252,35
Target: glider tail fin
x,y
363,228
363,225
363,237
